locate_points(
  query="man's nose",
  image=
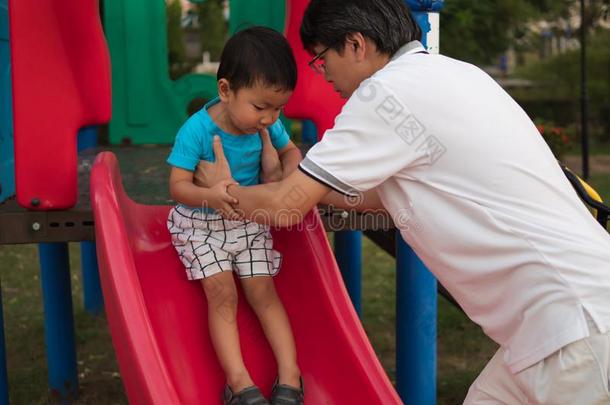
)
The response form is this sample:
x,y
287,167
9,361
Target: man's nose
x,y
327,76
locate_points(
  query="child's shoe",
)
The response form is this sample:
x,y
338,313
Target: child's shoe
x,y
248,396
287,395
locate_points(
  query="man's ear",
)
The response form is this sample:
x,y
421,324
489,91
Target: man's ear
x,y
224,89
356,43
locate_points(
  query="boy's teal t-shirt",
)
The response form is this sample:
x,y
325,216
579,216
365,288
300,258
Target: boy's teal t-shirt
x,y
243,152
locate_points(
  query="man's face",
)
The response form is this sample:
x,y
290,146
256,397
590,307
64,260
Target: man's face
x,y
341,69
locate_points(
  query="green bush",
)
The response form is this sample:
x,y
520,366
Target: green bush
x,y
557,83
560,140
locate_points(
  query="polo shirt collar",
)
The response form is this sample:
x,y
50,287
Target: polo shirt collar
x,y
408,49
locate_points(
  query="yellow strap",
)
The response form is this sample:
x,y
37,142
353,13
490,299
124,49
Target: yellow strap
x,y
590,190
592,193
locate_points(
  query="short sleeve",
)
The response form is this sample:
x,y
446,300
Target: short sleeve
x,y
375,136
279,136
190,145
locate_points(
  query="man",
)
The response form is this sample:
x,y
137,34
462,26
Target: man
x,y
472,187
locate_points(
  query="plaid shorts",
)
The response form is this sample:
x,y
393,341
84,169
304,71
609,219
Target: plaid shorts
x,y
208,244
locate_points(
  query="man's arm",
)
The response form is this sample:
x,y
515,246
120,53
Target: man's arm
x,y
284,202
280,204
184,191
368,201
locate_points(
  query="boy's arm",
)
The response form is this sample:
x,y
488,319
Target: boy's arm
x,y
271,165
277,164
290,156
184,191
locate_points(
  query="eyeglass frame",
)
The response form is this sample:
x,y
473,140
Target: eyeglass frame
x,y
315,59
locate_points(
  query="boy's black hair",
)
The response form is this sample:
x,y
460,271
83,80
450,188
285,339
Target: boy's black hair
x,y
388,23
258,55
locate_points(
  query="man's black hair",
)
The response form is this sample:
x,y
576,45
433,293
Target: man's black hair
x,y
388,23
258,55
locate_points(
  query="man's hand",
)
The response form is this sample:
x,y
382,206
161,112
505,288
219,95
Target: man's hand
x,y
271,167
209,174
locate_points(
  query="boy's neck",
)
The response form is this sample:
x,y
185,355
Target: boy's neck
x,y
220,115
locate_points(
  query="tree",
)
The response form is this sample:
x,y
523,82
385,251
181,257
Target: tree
x,y
213,27
175,35
558,78
479,31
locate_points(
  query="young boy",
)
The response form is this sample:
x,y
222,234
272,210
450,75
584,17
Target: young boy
x,y
256,77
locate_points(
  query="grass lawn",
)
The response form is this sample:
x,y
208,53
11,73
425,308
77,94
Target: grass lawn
x,y
601,182
99,379
462,347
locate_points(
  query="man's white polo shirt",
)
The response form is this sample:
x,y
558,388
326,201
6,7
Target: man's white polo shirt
x,y
478,195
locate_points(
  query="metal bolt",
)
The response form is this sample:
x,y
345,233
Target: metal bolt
x,y
36,226
35,202
344,214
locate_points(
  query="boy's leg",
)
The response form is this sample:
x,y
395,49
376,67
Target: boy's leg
x,y
262,297
221,295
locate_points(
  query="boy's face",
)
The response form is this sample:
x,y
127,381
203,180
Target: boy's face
x,y
251,109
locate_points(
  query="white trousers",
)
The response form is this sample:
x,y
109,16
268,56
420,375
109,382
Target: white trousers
x,y
577,374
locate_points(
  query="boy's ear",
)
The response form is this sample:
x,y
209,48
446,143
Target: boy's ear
x,y
224,88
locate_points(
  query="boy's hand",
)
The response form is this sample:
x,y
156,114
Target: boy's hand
x,y
208,174
271,166
223,202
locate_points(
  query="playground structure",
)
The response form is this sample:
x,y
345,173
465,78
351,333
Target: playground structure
x,y
46,184
148,323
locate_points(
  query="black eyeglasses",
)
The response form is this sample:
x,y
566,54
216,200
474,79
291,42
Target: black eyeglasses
x,y
317,64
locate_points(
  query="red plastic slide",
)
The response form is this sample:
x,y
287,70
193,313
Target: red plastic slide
x,y
158,319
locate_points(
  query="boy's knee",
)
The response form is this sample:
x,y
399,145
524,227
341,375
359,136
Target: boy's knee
x,y
259,293
220,291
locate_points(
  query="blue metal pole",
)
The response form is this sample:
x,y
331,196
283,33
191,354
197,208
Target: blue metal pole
x,y
309,133
416,290
3,373
348,251
7,175
425,5
87,138
58,319
416,310
348,244
92,290
7,167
